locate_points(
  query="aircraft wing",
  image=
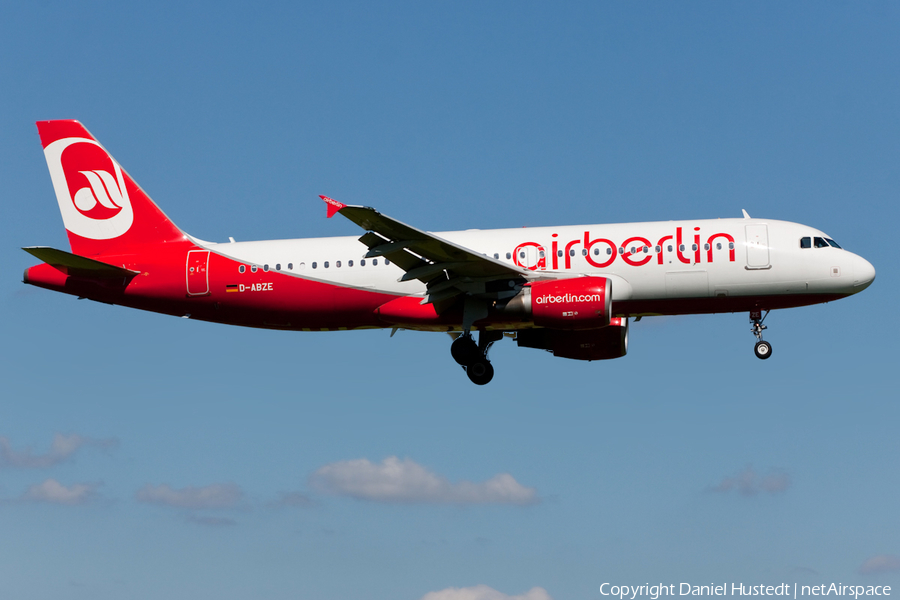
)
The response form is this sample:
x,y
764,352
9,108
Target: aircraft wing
x,y
447,269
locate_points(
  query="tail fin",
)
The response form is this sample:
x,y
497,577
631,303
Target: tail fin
x,y
103,209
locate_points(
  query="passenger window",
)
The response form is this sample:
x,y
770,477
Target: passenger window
x,y
719,246
669,247
571,253
584,252
820,242
559,253
508,256
278,266
338,264
681,247
302,265
349,263
833,243
496,255
362,263
241,269
806,242
597,251
541,254
325,264
621,250
386,262
694,247
522,255
658,249
266,268
609,251
731,245
706,246
314,265
290,266
253,268
374,262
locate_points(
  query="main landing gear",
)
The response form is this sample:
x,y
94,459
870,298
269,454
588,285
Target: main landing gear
x,y
763,349
473,357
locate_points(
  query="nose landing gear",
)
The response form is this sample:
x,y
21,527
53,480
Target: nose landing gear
x,y
473,357
762,349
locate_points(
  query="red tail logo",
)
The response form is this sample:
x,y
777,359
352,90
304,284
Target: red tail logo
x,y
90,189
104,196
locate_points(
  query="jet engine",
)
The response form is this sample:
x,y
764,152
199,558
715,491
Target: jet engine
x,y
570,304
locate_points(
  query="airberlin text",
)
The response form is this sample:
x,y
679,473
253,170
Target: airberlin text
x,y
636,251
654,591
566,298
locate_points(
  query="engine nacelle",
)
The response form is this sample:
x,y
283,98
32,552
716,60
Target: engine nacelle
x,y
594,344
577,303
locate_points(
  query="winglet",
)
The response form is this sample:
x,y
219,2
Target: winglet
x,y
333,205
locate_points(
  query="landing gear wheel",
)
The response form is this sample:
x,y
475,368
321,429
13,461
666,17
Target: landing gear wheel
x,y
763,349
464,350
480,372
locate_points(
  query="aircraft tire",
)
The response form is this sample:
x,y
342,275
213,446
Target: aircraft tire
x,y
763,350
464,350
480,372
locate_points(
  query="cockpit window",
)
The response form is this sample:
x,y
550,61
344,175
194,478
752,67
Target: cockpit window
x,y
833,243
806,242
820,242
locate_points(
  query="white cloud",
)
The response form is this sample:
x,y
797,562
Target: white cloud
x,y
882,563
62,448
483,592
749,483
395,480
54,492
220,495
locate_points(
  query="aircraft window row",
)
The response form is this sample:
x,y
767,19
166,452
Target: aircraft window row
x,y
337,264
632,250
315,265
818,242
559,253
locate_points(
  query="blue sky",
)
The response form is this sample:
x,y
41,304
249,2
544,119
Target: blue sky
x,y
200,460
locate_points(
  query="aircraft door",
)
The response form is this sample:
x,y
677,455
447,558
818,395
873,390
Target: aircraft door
x,y
197,272
757,246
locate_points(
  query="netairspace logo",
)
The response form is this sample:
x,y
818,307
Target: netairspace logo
x,y
654,592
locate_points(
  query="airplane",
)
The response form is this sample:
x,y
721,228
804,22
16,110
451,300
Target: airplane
x,y
567,290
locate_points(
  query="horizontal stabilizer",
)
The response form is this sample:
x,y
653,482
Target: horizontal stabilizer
x,y
79,266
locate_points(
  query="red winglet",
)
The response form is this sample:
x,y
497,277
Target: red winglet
x,y
333,205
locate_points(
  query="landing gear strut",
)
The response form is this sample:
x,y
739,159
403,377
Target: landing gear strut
x,y
762,349
473,357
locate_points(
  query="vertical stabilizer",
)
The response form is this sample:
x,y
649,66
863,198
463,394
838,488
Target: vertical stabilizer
x,y
103,209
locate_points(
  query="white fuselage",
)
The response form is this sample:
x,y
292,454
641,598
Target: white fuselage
x,y
646,261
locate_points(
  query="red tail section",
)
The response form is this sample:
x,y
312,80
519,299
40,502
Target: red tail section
x,y
103,209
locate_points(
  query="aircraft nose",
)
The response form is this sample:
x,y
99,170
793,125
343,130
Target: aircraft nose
x,y
864,274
